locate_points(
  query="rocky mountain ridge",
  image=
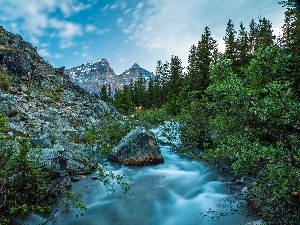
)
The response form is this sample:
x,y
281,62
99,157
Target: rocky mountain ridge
x,y
92,76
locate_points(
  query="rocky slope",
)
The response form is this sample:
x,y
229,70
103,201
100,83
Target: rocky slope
x,y
43,105
92,76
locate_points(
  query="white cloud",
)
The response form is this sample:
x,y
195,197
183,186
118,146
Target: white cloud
x,y
66,43
86,56
121,58
45,53
103,31
70,7
36,19
173,26
123,5
66,29
90,28
114,6
34,41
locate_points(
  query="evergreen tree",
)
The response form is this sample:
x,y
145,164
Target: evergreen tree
x,y
140,91
260,34
265,32
150,100
291,42
176,75
133,94
103,93
200,60
253,30
123,101
157,100
230,44
109,94
162,73
174,85
242,48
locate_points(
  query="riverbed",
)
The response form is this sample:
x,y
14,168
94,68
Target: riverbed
x,y
181,191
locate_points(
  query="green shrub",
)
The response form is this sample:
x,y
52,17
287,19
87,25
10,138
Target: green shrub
x,y
5,81
151,118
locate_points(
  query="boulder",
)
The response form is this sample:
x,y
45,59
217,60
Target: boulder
x,y
137,148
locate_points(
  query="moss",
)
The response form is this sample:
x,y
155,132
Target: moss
x,y
53,94
5,81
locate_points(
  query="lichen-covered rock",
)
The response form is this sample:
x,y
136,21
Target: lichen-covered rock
x,y
137,148
44,106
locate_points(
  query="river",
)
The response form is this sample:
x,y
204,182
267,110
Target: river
x,y
179,192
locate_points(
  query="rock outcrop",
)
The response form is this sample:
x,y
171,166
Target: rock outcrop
x,y
137,148
44,106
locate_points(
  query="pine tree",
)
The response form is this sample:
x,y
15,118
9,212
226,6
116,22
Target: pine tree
x,y
200,60
133,94
291,41
123,101
140,91
103,93
253,30
162,73
230,43
174,85
242,47
110,94
265,32
150,100
157,100
260,34
176,74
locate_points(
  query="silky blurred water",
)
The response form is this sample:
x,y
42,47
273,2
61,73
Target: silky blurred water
x,y
180,191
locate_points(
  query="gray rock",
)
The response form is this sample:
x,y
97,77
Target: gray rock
x,y
43,105
137,148
258,222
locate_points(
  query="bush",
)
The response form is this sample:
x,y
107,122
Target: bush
x,y
252,124
5,81
23,184
151,118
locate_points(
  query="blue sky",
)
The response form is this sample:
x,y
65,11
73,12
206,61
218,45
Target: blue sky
x,y
71,32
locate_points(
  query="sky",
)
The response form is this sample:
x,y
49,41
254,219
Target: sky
x,y
72,32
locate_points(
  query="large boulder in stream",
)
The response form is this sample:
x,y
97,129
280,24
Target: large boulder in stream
x,y
137,148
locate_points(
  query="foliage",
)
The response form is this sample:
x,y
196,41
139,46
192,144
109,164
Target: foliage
x,y
103,93
250,125
23,183
106,135
151,118
123,101
109,180
5,81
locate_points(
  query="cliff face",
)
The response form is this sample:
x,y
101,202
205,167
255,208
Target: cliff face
x,y
44,106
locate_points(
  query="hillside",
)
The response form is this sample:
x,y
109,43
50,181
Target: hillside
x,y
46,116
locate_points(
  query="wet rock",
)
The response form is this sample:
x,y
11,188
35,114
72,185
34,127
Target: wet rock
x,y
137,148
258,222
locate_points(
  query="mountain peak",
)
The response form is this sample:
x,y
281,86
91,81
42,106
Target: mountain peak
x,y
136,65
92,76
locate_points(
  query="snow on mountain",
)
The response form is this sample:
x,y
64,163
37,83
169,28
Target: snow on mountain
x,y
92,76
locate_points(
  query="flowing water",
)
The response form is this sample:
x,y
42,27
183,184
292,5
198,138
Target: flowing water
x,y
179,192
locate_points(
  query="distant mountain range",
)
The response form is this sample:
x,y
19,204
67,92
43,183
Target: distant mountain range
x,y
92,76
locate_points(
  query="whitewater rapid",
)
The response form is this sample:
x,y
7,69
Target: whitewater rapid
x,y
179,192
